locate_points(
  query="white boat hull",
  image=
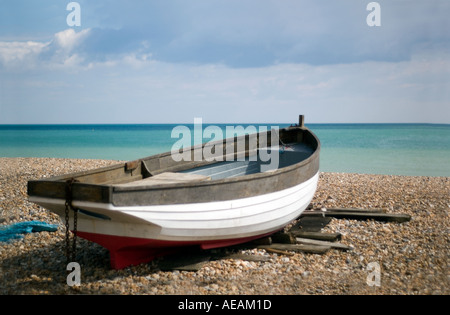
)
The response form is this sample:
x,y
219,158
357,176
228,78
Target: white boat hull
x,y
215,220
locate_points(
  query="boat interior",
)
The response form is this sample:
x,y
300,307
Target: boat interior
x,y
286,155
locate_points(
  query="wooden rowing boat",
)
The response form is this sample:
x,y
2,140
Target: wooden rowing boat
x,y
142,209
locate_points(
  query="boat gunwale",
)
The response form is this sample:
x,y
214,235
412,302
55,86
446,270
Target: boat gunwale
x,y
112,187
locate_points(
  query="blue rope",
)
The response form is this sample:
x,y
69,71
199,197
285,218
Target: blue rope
x,y
17,230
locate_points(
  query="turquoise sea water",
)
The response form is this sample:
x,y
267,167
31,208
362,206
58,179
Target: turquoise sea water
x,y
394,149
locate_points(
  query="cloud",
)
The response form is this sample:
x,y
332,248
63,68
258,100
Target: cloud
x,y
67,40
248,33
69,49
13,53
259,33
22,56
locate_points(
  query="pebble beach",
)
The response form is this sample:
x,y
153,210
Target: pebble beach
x,y
412,256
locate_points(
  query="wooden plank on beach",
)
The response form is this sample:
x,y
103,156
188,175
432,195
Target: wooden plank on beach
x,y
283,238
386,217
311,223
335,245
331,237
356,210
313,249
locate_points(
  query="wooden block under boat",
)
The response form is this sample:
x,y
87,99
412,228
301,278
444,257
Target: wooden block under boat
x,y
167,178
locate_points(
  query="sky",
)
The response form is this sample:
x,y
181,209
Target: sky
x,y
225,61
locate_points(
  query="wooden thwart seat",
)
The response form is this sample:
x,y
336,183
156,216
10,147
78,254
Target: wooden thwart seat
x,y
167,178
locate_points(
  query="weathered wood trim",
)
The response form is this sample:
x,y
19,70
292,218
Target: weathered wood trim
x,y
80,191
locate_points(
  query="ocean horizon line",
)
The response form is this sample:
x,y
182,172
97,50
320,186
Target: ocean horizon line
x,y
223,124
387,148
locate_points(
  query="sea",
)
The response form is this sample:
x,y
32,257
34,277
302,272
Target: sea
x,y
390,149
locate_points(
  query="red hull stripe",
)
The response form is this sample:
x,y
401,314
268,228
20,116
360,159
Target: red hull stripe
x,y
126,251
